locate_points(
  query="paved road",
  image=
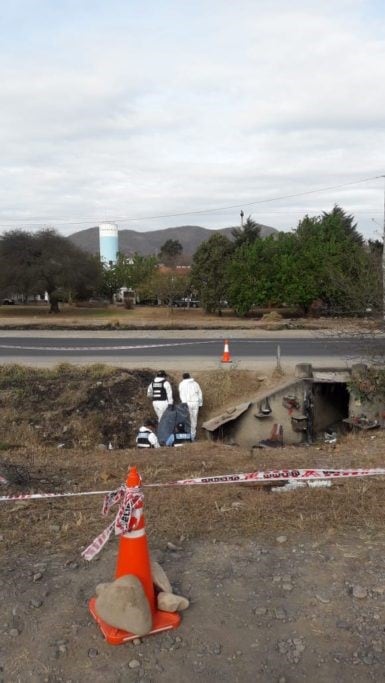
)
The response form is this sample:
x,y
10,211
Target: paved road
x,y
14,349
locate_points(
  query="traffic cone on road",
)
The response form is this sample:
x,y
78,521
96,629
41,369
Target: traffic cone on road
x,y
226,358
134,558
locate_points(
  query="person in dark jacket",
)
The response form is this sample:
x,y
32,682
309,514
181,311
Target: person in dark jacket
x,y
179,436
146,437
160,392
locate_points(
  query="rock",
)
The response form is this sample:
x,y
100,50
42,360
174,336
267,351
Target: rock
x,y
280,613
322,599
123,604
37,576
260,611
136,641
133,664
93,652
36,603
281,539
172,546
101,447
54,527
168,602
283,647
359,592
14,632
159,577
287,586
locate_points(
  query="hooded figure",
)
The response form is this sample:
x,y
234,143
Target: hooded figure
x,y
161,393
191,393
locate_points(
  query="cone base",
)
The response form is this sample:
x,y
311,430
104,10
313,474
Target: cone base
x,y
161,621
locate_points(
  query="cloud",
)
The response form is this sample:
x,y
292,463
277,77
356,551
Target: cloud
x,y
143,109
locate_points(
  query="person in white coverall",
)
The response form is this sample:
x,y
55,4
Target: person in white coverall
x,y
160,392
146,437
191,393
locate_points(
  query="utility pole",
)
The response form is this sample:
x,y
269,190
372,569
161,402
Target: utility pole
x,y
383,261
242,214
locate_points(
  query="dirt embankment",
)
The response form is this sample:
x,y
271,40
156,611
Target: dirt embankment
x,y
284,587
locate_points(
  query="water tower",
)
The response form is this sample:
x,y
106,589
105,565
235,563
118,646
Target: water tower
x,y
108,242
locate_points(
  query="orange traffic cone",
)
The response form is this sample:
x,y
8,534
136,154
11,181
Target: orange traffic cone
x,y
226,358
134,558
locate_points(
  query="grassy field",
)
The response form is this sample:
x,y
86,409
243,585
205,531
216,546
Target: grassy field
x,y
159,317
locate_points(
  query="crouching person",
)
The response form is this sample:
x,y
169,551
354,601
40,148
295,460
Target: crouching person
x,y
146,437
179,436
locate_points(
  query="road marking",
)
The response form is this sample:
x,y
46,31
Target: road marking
x,y
102,348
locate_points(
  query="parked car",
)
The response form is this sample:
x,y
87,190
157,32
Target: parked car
x,y
186,302
8,302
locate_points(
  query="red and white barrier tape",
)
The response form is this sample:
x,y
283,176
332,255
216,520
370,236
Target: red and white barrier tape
x,y
248,477
130,511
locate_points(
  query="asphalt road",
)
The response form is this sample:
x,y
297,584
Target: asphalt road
x,y
14,349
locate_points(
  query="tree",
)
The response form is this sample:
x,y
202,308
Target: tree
x,y
17,274
170,251
249,232
128,272
45,261
166,286
208,272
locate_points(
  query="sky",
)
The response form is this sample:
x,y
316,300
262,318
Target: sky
x,y
136,110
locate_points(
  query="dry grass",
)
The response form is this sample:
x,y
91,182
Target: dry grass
x,y
217,511
161,317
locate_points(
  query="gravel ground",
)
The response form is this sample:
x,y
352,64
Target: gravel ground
x,y
280,609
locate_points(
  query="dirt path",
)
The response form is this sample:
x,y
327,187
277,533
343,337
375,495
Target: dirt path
x,y
261,610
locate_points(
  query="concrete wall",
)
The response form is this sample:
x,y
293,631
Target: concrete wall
x,y
248,430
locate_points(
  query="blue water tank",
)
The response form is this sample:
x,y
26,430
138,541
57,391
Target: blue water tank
x,y
108,242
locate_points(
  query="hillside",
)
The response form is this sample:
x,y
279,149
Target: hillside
x,y
131,241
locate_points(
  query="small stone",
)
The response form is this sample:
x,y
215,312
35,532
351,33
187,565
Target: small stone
x,y
172,546
280,613
359,592
168,602
287,586
283,647
281,539
380,590
217,649
260,611
37,577
93,652
62,648
14,632
343,624
322,599
133,664
54,527
101,447
36,603
136,641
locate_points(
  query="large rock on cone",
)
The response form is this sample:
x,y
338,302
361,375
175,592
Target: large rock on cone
x,y
124,605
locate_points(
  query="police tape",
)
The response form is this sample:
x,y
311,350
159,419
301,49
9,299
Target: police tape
x,y
268,476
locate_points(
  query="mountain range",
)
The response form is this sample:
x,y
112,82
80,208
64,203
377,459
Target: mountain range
x,y
145,243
